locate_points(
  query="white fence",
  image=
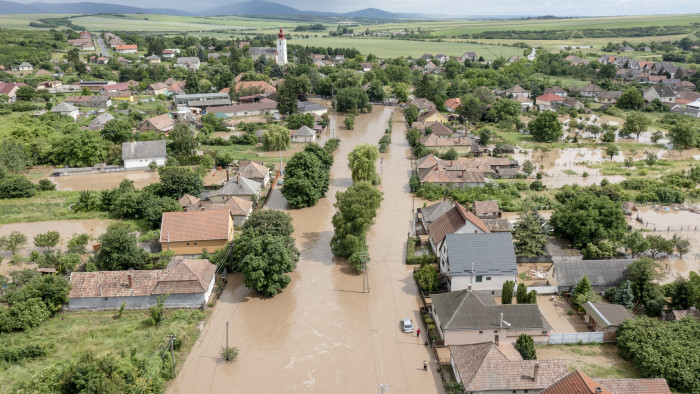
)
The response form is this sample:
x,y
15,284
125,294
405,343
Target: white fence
x,y
575,337
544,289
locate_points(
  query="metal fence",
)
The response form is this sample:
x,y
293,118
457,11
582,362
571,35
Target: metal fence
x,y
575,337
544,289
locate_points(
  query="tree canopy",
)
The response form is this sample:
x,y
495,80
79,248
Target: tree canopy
x,y
119,249
361,161
589,218
546,127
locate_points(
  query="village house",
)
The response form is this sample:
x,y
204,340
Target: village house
x,y
239,186
124,95
676,315
556,90
46,85
189,63
422,104
255,171
10,90
608,97
190,233
163,123
442,143
153,59
303,135
66,109
517,90
486,209
240,208
468,317
429,214
24,67
452,103
433,116
663,93
262,107
186,282
606,318
126,48
525,103
89,101
591,90
549,101
603,274
156,88
258,52
478,258
202,99
580,383
572,103
140,154
309,107
486,368
456,220
168,54
455,178
100,121
471,56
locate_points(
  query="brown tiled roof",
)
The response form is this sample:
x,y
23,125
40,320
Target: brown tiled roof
x,y
498,225
262,85
516,89
549,97
453,103
576,382
522,99
636,386
434,140
485,207
440,175
428,114
160,122
484,367
254,171
430,161
158,86
189,276
188,200
439,129
237,206
195,226
453,220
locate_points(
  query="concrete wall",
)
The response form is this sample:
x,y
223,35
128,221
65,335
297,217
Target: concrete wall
x,y
141,163
505,335
194,247
173,301
494,285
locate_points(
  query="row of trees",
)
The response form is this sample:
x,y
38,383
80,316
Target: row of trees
x,y
522,296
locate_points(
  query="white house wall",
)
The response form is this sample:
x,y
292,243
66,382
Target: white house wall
x,y
143,163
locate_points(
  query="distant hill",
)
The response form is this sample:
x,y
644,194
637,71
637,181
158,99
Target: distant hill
x,y
11,7
269,8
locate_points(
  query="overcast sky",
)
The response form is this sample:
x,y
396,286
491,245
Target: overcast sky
x,y
450,7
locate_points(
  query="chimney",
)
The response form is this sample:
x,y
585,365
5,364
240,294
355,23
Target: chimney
x,y
469,287
495,339
500,322
130,282
237,176
598,390
227,175
537,371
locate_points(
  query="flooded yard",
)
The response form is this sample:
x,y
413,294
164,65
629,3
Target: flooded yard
x,y
322,334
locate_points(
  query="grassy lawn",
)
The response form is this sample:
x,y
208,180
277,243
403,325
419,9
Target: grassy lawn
x,y
68,334
52,205
528,142
595,360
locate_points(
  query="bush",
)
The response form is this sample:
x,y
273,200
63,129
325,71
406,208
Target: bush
x,y
46,185
526,346
14,355
229,353
16,186
427,277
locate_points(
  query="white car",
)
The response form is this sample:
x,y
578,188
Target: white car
x,y
406,325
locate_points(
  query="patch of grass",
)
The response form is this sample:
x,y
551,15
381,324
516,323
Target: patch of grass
x,y
599,360
569,172
50,205
68,334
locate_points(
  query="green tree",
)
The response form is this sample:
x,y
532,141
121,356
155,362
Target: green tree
x,y
583,286
13,157
266,263
683,135
13,242
650,158
119,249
305,179
156,311
349,122
411,114
622,295
659,244
526,346
546,127
361,161
427,277
276,138
376,92
636,124
484,136
521,294
352,99
295,121
178,181
47,240
290,91
117,131
505,110
356,210
531,297
682,245
630,99
530,234
642,273
507,292
528,167
25,93
78,244
80,148
588,218
471,108
182,142
635,243
16,186
611,150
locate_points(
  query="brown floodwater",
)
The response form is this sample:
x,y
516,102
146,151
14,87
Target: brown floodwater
x,y
322,333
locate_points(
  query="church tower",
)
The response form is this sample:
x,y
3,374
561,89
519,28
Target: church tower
x,y
281,49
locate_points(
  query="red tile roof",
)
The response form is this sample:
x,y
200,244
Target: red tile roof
x,y
453,220
262,85
636,386
453,103
550,97
575,382
124,47
195,226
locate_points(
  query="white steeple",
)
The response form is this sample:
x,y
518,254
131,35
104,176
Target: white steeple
x,y
281,49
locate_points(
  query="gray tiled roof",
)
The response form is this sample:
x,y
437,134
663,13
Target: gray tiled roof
x,y
100,121
600,272
432,212
476,310
607,314
491,254
64,107
304,131
238,186
308,106
143,149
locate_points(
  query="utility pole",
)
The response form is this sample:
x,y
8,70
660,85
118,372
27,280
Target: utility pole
x,y
383,387
172,352
365,278
226,335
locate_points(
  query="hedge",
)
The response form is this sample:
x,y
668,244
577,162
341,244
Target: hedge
x,y
411,257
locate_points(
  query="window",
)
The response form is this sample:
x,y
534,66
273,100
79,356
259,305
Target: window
x,y
188,244
544,332
495,331
479,279
488,278
481,332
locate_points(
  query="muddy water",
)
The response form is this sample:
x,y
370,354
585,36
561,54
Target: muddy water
x,y
141,178
323,334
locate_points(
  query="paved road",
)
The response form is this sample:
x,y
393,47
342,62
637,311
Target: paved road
x,y
102,47
323,334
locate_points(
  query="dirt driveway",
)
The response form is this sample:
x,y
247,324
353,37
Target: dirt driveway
x,y
557,314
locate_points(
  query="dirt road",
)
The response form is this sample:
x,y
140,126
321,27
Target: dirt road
x,y
322,334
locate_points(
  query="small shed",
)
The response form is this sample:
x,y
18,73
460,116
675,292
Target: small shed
x,y
305,134
605,318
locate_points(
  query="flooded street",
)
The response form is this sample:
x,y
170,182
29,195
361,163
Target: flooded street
x,y
322,333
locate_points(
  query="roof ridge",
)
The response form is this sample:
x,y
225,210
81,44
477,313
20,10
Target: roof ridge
x,y
457,308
